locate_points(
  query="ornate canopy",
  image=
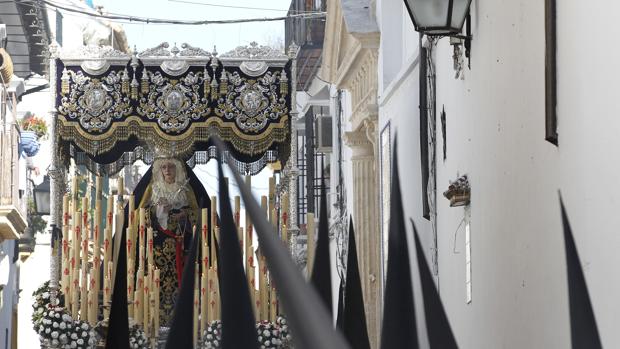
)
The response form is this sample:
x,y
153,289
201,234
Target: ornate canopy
x,y
113,108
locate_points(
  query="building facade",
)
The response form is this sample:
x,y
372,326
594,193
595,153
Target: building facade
x,y
480,110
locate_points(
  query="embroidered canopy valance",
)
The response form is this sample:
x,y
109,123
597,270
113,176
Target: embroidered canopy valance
x,y
112,107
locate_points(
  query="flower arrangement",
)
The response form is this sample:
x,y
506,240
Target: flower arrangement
x,y
212,337
270,335
55,326
35,124
285,333
137,338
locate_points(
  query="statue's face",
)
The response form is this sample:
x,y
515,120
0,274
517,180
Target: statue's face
x,y
169,171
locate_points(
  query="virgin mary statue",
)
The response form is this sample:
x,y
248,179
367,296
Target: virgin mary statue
x,y
171,200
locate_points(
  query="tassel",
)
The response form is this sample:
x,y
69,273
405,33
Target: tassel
x,y
64,82
283,83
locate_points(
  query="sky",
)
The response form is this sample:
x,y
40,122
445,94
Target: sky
x,y
225,36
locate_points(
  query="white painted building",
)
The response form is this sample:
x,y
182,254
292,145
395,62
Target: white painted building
x,y
494,132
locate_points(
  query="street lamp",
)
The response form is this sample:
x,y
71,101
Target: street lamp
x,y
41,195
438,17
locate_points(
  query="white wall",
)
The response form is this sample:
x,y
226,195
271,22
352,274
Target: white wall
x,y
495,134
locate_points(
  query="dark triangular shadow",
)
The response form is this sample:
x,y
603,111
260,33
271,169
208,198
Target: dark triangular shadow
x,y
583,329
440,334
340,315
355,329
311,324
238,324
181,333
399,324
118,323
321,270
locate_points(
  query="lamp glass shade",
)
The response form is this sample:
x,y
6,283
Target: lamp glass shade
x,y
438,17
41,195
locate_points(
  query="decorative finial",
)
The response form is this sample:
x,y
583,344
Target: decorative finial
x,y
175,50
293,49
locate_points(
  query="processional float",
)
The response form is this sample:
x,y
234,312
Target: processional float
x,y
112,109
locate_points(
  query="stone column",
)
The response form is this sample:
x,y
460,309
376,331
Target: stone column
x,y
57,179
366,220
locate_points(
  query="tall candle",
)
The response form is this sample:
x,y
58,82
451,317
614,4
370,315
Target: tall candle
x,y
210,301
75,300
142,236
77,241
197,304
263,204
146,304
97,240
195,322
257,305
74,195
107,248
121,187
85,208
212,254
248,228
204,236
131,275
273,302
64,261
65,210
156,280
272,200
237,211
252,285
248,251
84,283
204,286
149,240
93,300
110,211
132,208
310,243
107,294
138,309
216,294
264,292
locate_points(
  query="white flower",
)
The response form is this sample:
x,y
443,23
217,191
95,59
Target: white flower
x,y
55,342
74,336
63,337
85,326
73,345
84,334
55,325
66,317
62,325
55,334
47,330
80,341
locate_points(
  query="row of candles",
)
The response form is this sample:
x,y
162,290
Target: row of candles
x,y
82,264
